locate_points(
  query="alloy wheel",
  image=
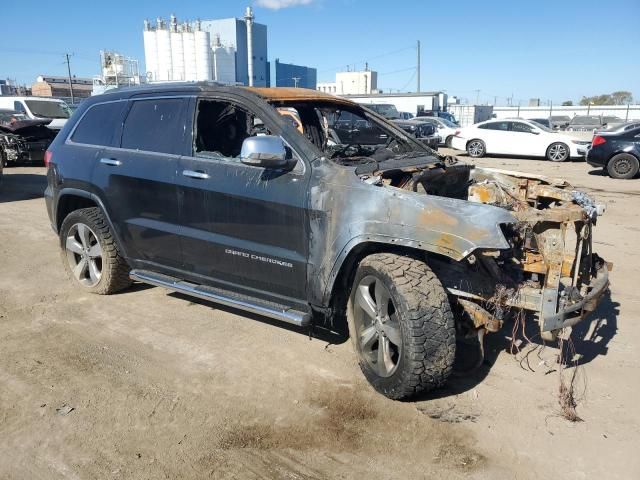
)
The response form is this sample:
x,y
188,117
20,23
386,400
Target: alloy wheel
x,y
377,327
84,255
557,152
476,149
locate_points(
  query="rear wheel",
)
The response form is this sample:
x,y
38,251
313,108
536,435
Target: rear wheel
x,y
90,252
476,148
558,152
447,142
623,165
401,325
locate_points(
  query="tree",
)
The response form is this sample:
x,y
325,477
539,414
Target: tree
x,y
622,97
616,98
567,103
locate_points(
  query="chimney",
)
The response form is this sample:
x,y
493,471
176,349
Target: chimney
x,y
248,18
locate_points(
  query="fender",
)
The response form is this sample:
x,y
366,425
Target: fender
x,y
94,198
346,212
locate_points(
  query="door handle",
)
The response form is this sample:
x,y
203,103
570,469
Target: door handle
x,y
111,161
195,174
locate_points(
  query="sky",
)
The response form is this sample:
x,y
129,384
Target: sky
x,y
487,50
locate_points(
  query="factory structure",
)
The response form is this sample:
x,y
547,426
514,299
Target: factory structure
x,y
290,75
352,83
230,50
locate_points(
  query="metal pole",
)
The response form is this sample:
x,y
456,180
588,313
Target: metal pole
x,y
418,86
69,72
550,107
295,81
626,118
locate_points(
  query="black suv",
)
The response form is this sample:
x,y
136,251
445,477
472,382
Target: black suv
x,y
213,192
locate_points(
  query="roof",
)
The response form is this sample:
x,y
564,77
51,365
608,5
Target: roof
x,y
272,94
287,94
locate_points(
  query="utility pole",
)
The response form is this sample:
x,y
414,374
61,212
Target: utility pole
x,y
418,86
295,81
69,72
477,96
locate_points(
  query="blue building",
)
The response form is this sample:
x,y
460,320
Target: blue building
x,y
289,75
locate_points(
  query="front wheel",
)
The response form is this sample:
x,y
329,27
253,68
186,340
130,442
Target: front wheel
x,y
401,325
91,254
623,165
476,148
558,152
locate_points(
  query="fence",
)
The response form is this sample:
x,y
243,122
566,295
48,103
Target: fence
x,y
626,112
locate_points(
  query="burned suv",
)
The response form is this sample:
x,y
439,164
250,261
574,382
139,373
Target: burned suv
x,y
22,139
210,191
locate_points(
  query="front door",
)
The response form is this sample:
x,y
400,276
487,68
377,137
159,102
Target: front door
x,y
243,227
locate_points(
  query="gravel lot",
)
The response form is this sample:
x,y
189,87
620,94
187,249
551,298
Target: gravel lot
x,y
150,384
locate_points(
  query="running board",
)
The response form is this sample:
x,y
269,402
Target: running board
x,y
223,297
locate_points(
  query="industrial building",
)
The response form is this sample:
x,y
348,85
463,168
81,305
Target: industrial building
x,y
49,86
116,71
290,75
352,83
228,50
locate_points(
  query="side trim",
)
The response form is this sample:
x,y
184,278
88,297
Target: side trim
x,y
283,314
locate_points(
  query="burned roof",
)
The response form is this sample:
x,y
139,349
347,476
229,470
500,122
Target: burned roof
x,y
288,94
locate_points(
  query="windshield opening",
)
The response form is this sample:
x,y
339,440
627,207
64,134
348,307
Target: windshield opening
x,y
48,109
349,134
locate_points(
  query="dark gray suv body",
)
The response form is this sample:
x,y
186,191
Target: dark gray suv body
x,y
211,191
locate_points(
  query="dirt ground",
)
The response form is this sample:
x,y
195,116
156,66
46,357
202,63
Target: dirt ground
x,y
150,384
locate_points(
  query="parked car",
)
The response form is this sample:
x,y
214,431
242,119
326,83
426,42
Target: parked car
x,y
445,129
208,190
423,131
518,137
591,123
559,122
22,139
545,122
617,151
438,114
39,108
387,110
406,115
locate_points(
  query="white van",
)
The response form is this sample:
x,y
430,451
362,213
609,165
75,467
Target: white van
x,y
38,108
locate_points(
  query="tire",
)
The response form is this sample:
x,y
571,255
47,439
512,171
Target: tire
x,y
414,332
623,165
558,152
476,148
91,254
447,141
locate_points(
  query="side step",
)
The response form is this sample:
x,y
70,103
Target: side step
x,y
224,297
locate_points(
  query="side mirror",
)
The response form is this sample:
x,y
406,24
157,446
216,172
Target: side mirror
x,y
267,151
535,132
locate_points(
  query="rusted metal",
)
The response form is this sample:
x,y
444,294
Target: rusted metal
x,y
480,317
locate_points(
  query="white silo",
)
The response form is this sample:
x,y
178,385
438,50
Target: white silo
x,y
150,51
224,62
189,51
165,67
203,54
177,56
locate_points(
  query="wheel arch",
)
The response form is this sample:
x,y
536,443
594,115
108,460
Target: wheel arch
x,y
71,199
338,289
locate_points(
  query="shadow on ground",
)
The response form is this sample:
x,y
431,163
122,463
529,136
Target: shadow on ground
x,y
22,186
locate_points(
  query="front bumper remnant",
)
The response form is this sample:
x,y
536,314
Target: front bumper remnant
x,y
577,311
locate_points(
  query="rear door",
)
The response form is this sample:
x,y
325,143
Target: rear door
x,y
495,136
138,180
244,227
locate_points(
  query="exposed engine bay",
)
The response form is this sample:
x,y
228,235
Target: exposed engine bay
x,y
23,140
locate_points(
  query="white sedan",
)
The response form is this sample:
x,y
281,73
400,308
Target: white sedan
x,y
446,129
517,137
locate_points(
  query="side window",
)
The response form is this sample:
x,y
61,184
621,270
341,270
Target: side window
x,y
521,127
155,125
19,107
495,126
100,125
221,127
